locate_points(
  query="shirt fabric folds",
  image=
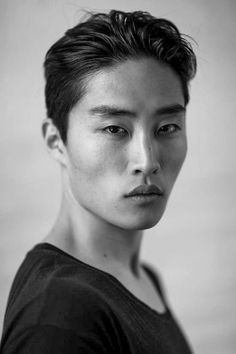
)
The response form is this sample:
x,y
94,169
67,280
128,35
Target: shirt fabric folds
x,y
59,304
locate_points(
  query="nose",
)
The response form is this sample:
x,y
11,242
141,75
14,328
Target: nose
x,y
145,157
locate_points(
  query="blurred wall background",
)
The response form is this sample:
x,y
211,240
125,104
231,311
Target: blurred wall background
x,y
194,246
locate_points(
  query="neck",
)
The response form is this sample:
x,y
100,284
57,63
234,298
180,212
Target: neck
x,y
95,241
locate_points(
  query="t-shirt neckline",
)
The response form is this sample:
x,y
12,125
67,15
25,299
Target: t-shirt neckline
x,y
164,315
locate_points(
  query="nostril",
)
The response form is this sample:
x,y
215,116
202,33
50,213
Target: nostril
x,y
156,169
147,170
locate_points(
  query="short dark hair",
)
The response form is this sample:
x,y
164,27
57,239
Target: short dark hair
x,y
103,40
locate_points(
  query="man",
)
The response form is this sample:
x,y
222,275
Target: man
x,y
116,96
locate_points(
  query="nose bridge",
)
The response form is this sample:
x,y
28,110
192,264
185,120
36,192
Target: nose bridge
x,y
146,155
146,148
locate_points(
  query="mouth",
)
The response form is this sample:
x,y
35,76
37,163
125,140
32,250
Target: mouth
x,y
145,192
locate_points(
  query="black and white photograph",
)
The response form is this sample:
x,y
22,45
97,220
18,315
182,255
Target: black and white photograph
x,y
118,170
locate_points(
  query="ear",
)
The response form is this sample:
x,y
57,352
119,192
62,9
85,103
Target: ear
x,y
54,143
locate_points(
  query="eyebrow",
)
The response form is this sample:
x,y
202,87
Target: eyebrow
x,y
115,111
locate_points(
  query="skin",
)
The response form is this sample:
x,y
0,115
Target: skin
x,y
109,153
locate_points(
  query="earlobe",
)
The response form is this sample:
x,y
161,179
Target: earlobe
x,y
54,143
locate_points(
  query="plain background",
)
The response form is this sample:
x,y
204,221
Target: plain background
x,y
194,245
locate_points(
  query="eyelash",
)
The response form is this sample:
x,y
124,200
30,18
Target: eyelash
x,y
121,132
174,129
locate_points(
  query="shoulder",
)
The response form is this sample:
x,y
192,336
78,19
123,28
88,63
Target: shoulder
x,y
53,289
68,296
60,309
71,297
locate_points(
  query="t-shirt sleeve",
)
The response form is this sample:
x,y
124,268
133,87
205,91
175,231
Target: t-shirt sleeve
x,y
47,339
64,319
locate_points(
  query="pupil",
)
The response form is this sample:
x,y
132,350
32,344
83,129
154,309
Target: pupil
x,y
114,129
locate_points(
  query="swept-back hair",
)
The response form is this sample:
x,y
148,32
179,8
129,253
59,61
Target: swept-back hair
x,y
104,40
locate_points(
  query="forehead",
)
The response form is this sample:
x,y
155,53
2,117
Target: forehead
x,y
143,84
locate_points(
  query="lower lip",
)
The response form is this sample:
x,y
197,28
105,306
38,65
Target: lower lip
x,y
145,197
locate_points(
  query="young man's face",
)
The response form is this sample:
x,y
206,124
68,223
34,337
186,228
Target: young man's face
x,y
127,131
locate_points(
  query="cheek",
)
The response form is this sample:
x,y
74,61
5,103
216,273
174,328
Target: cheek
x,y
174,156
92,159
181,152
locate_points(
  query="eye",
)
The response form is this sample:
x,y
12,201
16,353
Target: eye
x,y
168,129
115,130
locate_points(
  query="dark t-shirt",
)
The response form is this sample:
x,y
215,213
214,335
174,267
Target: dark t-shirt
x,y
59,304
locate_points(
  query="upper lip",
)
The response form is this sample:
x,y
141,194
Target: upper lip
x,y
145,189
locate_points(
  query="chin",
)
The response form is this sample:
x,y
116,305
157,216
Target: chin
x,y
146,224
140,222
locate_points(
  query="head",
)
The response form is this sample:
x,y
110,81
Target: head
x,y
103,41
116,93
